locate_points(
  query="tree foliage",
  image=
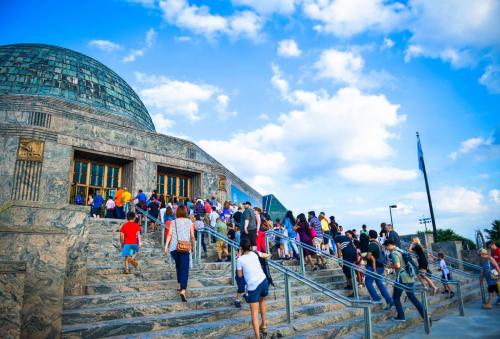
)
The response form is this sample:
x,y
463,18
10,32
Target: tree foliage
x,y
447,234
494,232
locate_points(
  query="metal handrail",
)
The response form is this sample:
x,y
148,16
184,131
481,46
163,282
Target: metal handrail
x,y
458,283
150,217
447,257
354,268
357,303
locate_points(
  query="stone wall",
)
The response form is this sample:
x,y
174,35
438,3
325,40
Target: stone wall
x,y
51,240
12,276
8,151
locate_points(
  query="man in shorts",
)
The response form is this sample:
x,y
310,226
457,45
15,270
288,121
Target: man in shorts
x,y
130,241
347,252
250,225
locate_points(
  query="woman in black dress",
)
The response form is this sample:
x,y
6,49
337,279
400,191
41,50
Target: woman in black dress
x,y
423,264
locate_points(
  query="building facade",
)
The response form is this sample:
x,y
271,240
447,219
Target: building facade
x,y
69,125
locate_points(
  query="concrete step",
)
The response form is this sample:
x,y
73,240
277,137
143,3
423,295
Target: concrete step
x,y
206,322
175,305
325,326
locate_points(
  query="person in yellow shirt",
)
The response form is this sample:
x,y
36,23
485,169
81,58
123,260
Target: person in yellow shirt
x,y
119,203
325,227
127,200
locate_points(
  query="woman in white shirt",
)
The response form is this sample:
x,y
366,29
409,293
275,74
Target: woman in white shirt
x,y
248,266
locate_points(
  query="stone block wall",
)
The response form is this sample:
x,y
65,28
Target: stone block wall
x,y
51,240
12,277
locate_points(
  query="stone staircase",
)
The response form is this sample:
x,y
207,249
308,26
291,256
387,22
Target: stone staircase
x,y
146,303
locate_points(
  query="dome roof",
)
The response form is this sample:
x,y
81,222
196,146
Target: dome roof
x,y
45,70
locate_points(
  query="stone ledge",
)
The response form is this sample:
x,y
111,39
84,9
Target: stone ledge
x,y
12,266
31,229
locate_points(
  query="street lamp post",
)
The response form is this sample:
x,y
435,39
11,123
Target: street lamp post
x,y
424,221
390,212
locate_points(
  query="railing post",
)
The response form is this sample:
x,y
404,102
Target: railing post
x,y
233,265
268,250
483,292
354,280
368,322
162,228
302,261
460,299
425,306
145,223
288,299
198,246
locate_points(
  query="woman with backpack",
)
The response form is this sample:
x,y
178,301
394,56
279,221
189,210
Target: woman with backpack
x,y
248,266
423,264
304,232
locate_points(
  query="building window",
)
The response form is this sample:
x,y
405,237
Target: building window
x,y
174,187
90,176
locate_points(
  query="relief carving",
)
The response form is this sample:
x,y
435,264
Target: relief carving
x,y
30,149
222,183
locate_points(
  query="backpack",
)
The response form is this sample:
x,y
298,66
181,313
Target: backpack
x,y
265,268
382,258
79,199
312,231
410,266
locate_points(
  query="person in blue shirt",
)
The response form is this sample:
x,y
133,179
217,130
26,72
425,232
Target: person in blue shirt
x,y
97,204
289,222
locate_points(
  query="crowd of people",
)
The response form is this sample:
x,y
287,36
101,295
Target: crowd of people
x,y
319,237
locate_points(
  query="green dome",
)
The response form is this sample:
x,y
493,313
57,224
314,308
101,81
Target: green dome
x,y
45,70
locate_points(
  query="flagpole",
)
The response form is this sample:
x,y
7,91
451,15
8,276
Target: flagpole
x,y
422,167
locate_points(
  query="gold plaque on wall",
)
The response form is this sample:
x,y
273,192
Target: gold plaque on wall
x,y
222,183
30,149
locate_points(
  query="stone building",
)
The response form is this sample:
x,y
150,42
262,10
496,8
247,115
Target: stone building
x,y
69,125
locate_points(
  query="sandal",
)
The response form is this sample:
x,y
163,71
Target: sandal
x,y
126,271
263,330
183,297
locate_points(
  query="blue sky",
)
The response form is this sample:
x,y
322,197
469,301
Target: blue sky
x,y
316,101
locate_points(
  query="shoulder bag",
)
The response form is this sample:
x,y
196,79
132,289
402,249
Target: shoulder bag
x,y
182,245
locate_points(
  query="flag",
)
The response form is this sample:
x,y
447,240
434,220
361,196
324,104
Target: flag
x,y
420,155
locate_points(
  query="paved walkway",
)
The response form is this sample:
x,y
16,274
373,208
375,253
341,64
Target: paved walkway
x,y
477,323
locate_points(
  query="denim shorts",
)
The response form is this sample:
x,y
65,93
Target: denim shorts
x,y
127,248
260,292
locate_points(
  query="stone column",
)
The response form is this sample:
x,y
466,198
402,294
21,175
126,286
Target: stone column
x,y
56,171
12,275
144,177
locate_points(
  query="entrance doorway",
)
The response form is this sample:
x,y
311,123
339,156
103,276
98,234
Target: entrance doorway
x,y
92,173
174,187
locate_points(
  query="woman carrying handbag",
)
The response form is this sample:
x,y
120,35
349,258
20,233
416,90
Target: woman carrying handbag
x,y
180,243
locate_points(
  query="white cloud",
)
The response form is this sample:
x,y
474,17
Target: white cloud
x,y
267,7
162,124
288,49
495,196
347,67
368,174
458,200
148,43
388,43
199,20
264,116
183,38
358,128
222,105
105,45
173,96
454,200
470,145
346,18
453,30
491,78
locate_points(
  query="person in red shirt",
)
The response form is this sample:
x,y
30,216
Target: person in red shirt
x,y
495,251
495,254
130,241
